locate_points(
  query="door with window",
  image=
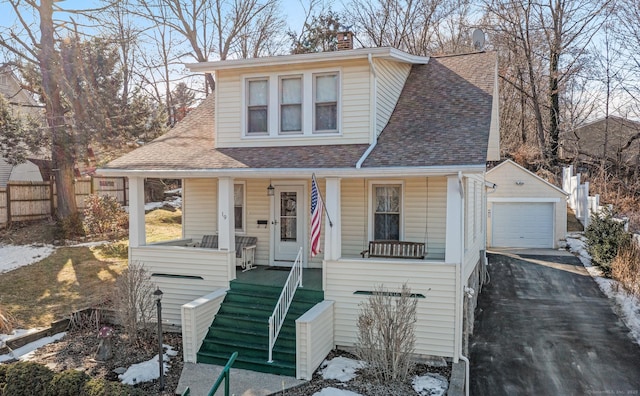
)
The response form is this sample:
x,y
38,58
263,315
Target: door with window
x,y
289,221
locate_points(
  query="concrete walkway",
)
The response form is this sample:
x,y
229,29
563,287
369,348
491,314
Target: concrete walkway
x,y
544,328
201,377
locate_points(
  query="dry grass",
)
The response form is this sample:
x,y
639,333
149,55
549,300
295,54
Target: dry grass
x,y
625,268
73,277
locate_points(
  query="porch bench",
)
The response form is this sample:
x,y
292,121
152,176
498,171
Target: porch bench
x,y
395,249
245,249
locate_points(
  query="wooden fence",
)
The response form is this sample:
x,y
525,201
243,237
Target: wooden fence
x,y
25,201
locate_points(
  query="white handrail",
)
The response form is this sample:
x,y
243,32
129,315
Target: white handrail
x,y
276,320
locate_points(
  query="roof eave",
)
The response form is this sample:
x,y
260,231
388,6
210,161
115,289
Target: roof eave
x,y
360,53
295,172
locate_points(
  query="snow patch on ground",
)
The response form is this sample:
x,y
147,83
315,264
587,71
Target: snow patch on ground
x,y
628,306
16,256
340,368
149,370
335,392
26,352
430,385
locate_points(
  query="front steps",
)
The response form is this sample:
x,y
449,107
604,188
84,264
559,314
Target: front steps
x,y
242,325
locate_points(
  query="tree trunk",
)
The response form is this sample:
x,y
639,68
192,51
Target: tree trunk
x,y
554,108
61,153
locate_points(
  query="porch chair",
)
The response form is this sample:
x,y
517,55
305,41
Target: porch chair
x,y
245,249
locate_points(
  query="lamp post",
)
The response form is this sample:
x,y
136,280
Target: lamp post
x,y
157,294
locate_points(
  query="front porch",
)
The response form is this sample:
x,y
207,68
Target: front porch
x,y
265,275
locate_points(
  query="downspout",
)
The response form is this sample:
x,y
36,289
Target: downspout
x,y
462,293
373,114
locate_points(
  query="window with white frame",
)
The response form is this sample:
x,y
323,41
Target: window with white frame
x,y
238,206
257,106
387,204
291,104
325,102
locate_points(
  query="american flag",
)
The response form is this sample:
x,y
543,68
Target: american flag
x,y
316,218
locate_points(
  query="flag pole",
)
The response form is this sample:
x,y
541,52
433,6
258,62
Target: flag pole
x,y
313,176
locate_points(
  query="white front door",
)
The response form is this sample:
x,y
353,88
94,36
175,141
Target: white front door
x,y
289,223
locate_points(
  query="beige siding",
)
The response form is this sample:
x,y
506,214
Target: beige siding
x,y
199,207
258,209
355,106
505,177
423,219
196,318
434,328
391,79
314,338
213,266
474,223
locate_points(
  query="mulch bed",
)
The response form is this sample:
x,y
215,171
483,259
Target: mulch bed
x,y
77,350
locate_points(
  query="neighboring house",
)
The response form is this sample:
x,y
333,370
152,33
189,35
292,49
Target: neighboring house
x,y
524,210
398,144
620,136
22,103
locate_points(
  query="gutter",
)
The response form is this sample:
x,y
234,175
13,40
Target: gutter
x,y
374,112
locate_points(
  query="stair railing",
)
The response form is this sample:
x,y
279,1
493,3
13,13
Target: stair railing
x,y
276,320
224,376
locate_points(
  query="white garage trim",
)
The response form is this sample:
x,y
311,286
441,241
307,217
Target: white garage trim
x,y
523,200
523,224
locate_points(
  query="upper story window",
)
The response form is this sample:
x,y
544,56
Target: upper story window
x,y
325,102
258,106
306,104
291,104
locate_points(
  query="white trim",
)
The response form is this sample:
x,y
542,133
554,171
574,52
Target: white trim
x,y
523,200
338,129
302,101
394,182
295,172
360,53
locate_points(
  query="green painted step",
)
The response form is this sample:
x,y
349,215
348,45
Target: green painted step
x,y
242,325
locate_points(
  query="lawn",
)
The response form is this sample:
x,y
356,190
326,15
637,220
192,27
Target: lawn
x,y
73,277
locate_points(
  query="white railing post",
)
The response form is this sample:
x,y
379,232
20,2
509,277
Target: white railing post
x,y
276,320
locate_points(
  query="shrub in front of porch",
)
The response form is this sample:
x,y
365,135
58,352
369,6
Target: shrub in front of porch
x,y
386,337
134,302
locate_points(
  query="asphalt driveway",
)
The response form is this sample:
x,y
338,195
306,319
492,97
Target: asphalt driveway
x,y
544,328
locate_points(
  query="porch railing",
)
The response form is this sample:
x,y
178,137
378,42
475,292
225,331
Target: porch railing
x,y
276,320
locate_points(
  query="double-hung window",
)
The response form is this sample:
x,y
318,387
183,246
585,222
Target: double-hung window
x,y
386,211
291,104
325,102
257,106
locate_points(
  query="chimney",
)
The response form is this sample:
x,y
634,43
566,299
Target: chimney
x,y
345,41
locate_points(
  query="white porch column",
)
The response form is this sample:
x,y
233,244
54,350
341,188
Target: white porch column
x,y
137,234
226,218
454,235
332,235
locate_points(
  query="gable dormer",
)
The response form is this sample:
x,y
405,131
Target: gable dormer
x,y
343,97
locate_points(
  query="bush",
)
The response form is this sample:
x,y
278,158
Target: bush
x,y
7,321
625,268
604,235
3,377
386,337
27,379
101,387
68,383
133,300
104,215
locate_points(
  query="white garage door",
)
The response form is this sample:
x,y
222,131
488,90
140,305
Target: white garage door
x,y
522,224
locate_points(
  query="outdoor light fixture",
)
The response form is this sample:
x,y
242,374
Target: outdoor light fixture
x,y
157,294
270,189
519,183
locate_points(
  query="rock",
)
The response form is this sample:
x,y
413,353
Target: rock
x,y
105,349
120,370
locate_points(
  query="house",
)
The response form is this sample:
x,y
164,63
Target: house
x,y
398,145
525,211
21,102
618,136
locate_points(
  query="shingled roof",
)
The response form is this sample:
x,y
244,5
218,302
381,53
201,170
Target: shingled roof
x,y
443,116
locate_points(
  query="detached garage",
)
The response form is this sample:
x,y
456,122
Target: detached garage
x,y
524,211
